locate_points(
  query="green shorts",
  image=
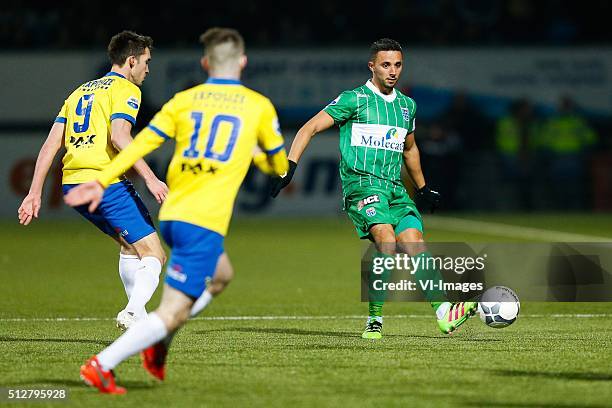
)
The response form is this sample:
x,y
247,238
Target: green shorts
x,y
368,206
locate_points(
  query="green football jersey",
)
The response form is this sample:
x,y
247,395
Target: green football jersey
x,y
373,128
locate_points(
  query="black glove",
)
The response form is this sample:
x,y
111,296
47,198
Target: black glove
x,y
280,182
427,199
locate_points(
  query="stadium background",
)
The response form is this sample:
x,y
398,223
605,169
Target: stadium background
x,y
514,125
514,105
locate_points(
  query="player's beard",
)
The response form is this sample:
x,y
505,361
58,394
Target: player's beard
x,y
388,87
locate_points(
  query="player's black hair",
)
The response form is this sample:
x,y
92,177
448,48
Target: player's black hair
x,y
384,44
126,44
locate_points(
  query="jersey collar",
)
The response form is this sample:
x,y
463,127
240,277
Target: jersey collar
x,y
115,74
222,81
388,98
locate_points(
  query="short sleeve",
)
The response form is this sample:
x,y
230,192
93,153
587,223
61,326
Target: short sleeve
x,y
343,107
269,135
125,103
412,121
164,121
61,115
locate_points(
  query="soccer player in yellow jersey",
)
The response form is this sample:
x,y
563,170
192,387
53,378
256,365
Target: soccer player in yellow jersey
x,y
93,124
216,127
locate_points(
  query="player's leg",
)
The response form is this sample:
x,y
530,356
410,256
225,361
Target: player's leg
x,y
128,216
145,278
195,253
129,262
154,356
383,237
224,273
410,240
198,267
368,208
171,314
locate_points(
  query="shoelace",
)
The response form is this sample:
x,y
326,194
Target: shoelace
x,y
374,326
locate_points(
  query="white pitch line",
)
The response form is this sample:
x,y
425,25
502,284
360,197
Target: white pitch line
x,y
508,231
254,318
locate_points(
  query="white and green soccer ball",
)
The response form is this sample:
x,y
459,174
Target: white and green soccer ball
x,y
499,307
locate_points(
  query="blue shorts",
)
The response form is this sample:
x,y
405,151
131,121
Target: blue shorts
x,y
194,254
121,212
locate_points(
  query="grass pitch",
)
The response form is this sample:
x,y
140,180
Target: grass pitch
x,y
287,330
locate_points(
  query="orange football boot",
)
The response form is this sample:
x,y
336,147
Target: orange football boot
x,y
94,376
154,360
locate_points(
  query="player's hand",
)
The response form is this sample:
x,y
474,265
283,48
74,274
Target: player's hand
x,y
91,192
29,208
280,182
158,189
427,199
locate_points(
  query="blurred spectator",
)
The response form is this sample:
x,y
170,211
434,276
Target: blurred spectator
x,y
468,122
440,154
52,25
516,139
567,137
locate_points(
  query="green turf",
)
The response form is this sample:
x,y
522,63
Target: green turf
x,y
292,268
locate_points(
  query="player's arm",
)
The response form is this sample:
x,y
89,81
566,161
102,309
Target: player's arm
x,y
30,206
260,160
161,128
121,138
318,123
144,143
269,154
412,160
337,112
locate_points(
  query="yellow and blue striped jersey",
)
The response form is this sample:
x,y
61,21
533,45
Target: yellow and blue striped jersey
x,y
216,127
87,114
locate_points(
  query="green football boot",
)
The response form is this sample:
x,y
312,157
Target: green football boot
x,y
452,315
373,329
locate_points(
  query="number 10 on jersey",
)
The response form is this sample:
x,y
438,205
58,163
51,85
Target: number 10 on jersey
x,y
191,152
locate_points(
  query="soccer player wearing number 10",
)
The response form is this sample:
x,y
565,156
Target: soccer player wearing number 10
x,y
93,124
216,126
377,125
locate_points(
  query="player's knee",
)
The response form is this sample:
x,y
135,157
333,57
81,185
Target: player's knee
x,y
411,235
173,318
128,250
411,241
158,253
161,255
217,286
224,273
384,238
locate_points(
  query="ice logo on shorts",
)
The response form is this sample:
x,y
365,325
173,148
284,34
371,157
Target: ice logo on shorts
x,y
370,212
176,272
391,133
133,102
368,200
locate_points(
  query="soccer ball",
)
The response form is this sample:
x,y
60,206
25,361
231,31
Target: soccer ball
x,y
498,307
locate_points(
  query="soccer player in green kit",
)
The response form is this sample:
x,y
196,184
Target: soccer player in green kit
x,y
377,125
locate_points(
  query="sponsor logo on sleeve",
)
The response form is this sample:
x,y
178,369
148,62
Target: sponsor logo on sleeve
x,y
276,126
133,102
335,101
